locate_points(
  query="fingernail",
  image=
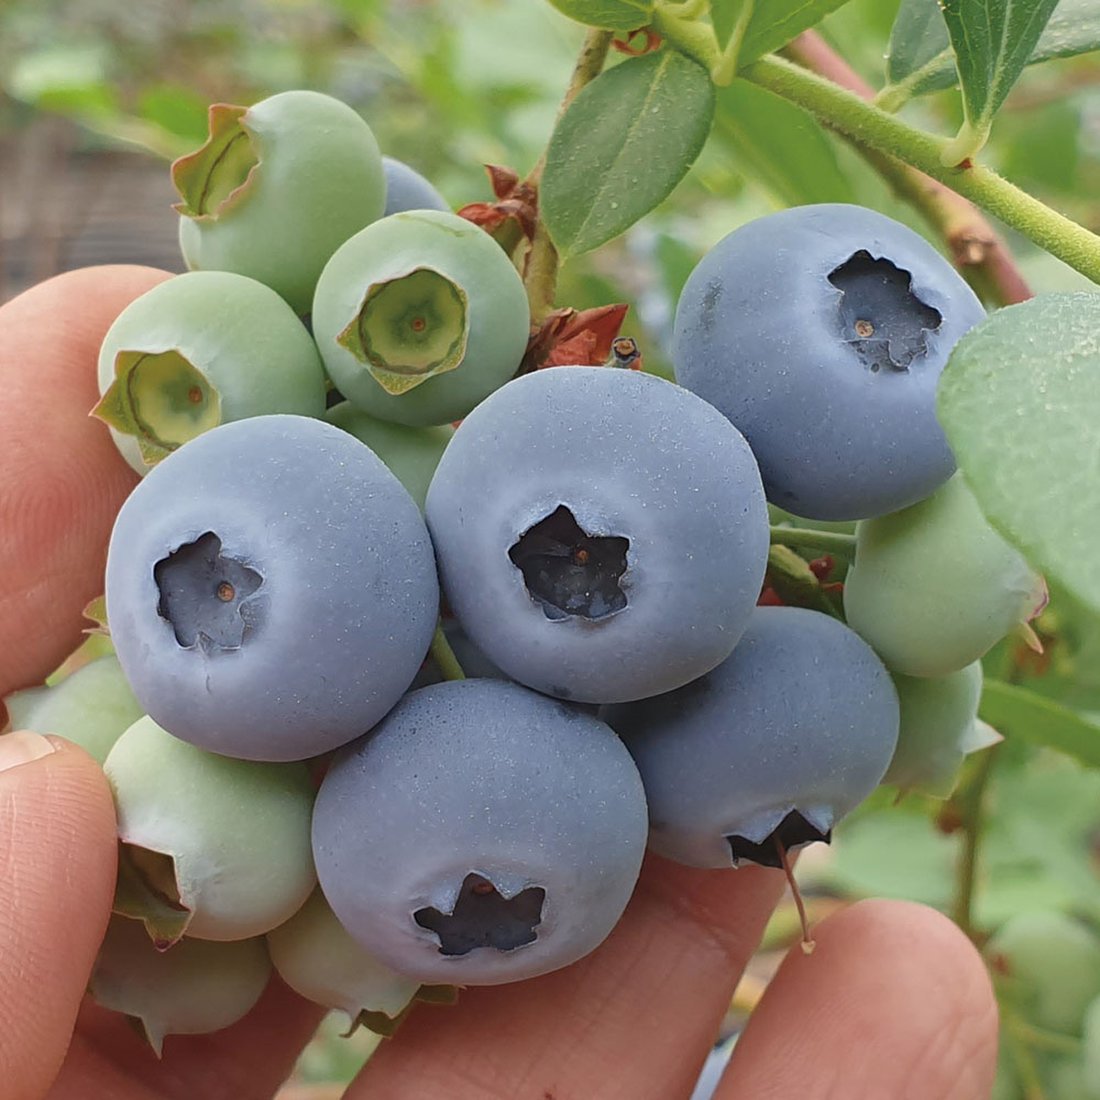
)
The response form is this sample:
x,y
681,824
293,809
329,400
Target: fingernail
x,y
21,747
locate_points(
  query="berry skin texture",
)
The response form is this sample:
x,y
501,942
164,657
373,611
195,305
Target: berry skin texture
x,y
271,589
778,743
407,189
821,332
225,842
601,534
934,587
419,317
199,350
92,707
480,834
277,188
939,727
196,987
1056,961
316,957
412,454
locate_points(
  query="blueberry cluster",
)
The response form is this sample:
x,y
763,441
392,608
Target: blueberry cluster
x,y
285,713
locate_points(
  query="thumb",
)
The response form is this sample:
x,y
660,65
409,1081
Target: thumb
x,y
57,875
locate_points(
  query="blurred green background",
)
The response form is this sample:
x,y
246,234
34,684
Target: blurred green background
x,y
97,95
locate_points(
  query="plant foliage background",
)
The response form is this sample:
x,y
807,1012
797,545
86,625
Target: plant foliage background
x,y
96,95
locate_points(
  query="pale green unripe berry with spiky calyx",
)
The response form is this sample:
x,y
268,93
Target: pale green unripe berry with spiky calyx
x,y
277,188
412,454
317,958
939,727
92,707
212,847
197,351
420,317
194,988
933,587
1051,963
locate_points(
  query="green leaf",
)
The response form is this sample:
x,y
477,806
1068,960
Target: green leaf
x,y
1017,712
920,60
993,41
613,15
780,145
622,146
775,22
1020,403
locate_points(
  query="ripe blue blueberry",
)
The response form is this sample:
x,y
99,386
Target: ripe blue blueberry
x,y
407,189
821,332
271,589
601,533
480,834
769,750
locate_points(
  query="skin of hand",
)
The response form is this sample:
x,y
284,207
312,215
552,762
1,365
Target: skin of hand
x,y
894,1002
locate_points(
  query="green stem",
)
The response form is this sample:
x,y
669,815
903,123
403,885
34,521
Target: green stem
x,y
873,127
690,36
972,807
723,72
832,542
541,272
1040,1038
444,656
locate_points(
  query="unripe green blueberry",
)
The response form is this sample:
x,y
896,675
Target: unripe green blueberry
x,y
317,958
215,848
939,726
933,587
197,351
92,707
1054,963
194,988
419,317
277,188
412,454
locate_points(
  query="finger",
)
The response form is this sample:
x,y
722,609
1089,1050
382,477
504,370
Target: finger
x,y
57,877
638,1015
894,1001
63,480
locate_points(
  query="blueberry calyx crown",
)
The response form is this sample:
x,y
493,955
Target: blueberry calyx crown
x,y
215,177
482,917
409,329
792,832
570,572
880,317
204,595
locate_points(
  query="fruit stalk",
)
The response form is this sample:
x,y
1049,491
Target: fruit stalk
x,y
976,248
444,657
866,124
972,805
541,272
832,542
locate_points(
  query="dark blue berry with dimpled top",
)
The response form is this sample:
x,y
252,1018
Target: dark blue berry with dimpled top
x,y
821,332
271,589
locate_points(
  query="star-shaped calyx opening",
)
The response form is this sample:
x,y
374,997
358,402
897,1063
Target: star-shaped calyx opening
x,y
205,594
879,316
482,917
793,831
568,571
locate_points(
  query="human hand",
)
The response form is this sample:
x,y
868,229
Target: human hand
x,y
894,1001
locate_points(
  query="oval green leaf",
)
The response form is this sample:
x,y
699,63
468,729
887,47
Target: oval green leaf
x,y
1017,712
920,59
993,40
779,145
622,146
1020,403
775,22
612,15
